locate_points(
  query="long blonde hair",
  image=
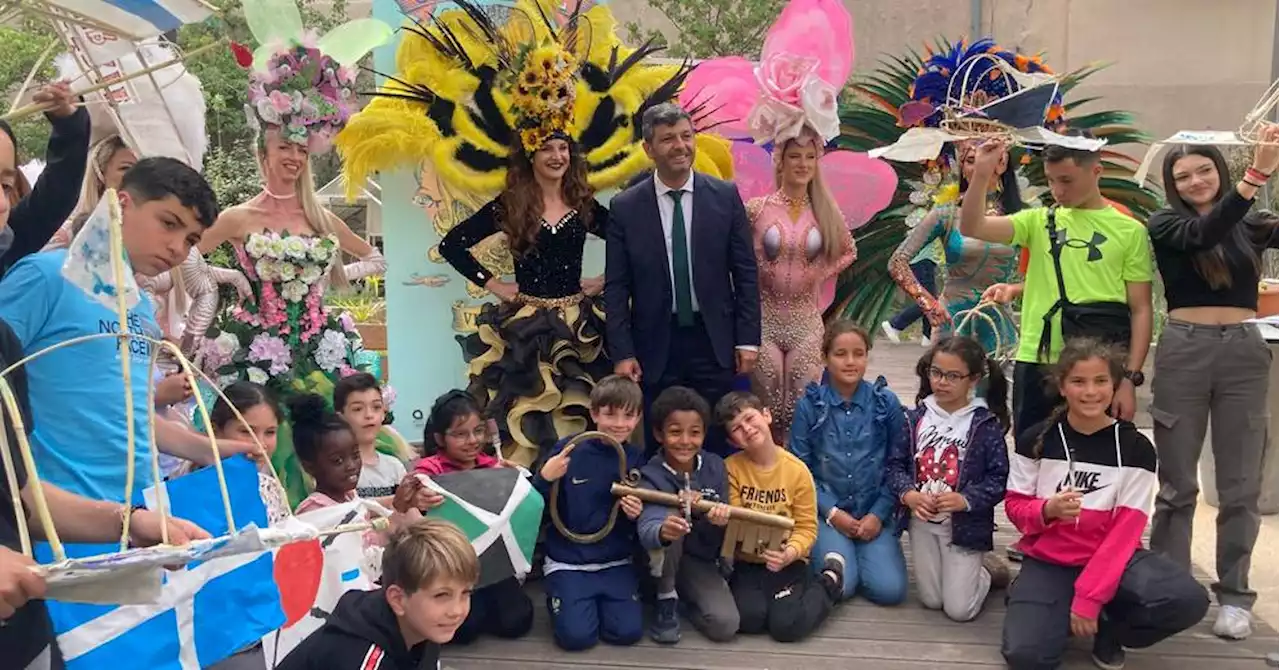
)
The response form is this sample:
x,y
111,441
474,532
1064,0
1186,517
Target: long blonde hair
x,y
825,210
316,215
95,177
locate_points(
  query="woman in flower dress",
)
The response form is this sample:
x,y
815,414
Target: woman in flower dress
x,y
288,246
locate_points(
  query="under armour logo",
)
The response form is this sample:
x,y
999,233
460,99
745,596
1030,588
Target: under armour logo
x,y
1094,245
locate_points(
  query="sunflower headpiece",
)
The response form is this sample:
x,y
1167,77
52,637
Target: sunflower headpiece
x,y
475,83
542,105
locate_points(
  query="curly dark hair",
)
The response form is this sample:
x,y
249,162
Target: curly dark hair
x,y
521,201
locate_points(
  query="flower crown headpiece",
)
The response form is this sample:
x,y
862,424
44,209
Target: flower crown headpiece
x,y
543,94
298,83
305,93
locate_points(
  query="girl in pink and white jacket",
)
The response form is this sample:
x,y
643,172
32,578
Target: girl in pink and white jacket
x,y
1081,489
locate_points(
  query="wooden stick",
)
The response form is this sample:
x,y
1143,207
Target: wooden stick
x,y
33,478
35,107
32,74
116,247
704,506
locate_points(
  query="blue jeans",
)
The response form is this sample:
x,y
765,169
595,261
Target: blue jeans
x,y
876,569
926,272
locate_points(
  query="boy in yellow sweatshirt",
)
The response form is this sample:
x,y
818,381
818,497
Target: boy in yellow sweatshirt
x,y
775,590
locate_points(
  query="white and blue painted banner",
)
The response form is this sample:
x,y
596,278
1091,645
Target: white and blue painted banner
x,y
137,19
206,612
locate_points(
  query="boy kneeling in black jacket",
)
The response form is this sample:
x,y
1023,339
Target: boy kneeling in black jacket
x,y
428,570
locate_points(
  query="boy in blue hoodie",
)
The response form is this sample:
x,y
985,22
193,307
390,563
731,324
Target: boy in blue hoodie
x,y
685,553
592,588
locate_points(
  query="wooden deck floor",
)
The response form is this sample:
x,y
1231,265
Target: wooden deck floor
x,y
859,634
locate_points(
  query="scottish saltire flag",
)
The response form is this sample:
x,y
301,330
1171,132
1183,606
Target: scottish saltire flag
x,y
207,611
137,19
313,575
499,511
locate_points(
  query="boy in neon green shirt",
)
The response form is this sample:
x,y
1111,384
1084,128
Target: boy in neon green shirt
x,y
1105,259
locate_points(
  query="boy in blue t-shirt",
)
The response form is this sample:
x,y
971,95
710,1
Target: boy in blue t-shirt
x,y
592,588
76,392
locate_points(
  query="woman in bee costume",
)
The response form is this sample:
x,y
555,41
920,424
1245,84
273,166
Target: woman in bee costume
x,y
541,108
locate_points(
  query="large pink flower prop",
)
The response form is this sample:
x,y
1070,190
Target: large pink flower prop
x,y
807,58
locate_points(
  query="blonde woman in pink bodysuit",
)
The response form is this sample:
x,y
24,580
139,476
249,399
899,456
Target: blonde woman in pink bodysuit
x,y
801,241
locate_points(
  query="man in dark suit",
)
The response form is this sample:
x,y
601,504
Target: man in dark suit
x,y
682,306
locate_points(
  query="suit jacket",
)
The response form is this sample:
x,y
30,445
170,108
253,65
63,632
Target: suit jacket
x,y
638,290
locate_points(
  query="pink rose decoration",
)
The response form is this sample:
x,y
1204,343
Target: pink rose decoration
x,y
821,107
772,120
280,101
781,76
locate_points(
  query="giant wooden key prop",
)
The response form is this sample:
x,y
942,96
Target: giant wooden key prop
x,y
748,530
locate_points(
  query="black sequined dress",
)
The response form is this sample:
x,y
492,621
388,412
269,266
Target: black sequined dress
x,y
534,361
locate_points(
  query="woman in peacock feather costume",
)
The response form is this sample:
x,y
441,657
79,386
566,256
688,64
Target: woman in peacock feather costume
x,y
870,118
972,265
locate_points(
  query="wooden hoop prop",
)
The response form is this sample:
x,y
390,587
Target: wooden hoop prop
x,y
964,318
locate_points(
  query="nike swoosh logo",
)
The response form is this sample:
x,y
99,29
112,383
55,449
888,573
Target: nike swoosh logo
x,y
579,481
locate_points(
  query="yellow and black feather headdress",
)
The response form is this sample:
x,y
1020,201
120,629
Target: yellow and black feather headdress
x,y
473,80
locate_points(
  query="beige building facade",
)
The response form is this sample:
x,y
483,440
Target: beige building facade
x,y
1177,64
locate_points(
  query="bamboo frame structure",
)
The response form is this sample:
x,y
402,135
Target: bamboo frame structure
x,y
1262,115
65,23
192,374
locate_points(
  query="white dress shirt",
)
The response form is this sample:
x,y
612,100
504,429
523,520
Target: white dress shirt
x,y
666,209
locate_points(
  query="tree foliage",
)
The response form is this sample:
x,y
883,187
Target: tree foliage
x,y
711,28
20,47
229,162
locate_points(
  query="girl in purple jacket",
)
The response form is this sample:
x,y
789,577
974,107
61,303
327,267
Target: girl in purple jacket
x,y
950,473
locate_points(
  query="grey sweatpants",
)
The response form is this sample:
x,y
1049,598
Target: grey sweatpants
x,y
710,604
1219,372
948,578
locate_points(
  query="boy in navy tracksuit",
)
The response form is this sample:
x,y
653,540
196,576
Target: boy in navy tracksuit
x,y
592,588
685,555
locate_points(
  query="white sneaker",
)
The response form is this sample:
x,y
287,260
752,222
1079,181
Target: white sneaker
x,y
1234,623
925,342
890,332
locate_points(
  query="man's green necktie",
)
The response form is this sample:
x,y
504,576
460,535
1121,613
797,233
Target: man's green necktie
x,y
680,262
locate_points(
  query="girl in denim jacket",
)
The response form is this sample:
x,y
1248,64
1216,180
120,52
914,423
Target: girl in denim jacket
x,y
950,472
844,430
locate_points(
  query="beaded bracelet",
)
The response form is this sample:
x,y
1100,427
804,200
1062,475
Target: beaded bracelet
x,y
1257,174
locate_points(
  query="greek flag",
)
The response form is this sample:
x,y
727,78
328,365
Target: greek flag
x,y
136,19
206,612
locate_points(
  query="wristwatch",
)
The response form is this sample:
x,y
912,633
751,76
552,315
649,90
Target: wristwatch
x,y
1135,377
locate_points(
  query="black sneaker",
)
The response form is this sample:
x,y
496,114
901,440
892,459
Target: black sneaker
x,y
833,573
1107,652
665,628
